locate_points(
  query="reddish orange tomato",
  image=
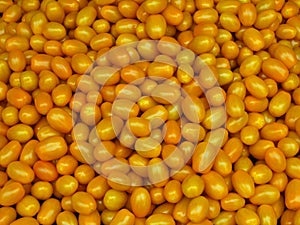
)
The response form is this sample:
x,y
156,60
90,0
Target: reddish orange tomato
x,y
287,217
286,55
259,149
45,171
233,149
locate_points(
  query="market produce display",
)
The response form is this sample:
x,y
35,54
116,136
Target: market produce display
x,y
156,112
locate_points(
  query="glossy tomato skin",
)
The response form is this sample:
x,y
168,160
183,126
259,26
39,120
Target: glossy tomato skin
x,y
20,171
140,202
11,193
291,195
225,66
51,148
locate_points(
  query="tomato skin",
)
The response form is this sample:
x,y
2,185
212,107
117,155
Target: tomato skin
x,y
91,219
247,216
243,183
197,209
160,218
54,108
66,185
8,215
61,67
54,31
28,206
20,171
51,148
140,202
45,171
25,220
274,131
11,193
60,120
10,152
275,69
286,55
215,185
71,47
253,39
292,197
192,186
265,194
247,14
40,62
83,203
267,214
280,103
20,132
49,211
275,159
124,216
18,97
42,190
180,210
232,202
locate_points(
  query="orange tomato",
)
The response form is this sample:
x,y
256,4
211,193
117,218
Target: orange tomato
x,y
140,202
11,193
51,148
